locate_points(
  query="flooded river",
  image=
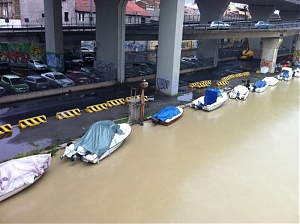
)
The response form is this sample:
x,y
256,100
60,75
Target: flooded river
x,y
239,163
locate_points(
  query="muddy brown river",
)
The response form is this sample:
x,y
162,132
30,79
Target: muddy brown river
x,y
237,164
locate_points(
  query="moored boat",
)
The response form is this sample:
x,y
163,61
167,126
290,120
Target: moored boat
x,y
18,174
102,139
239,92
167,115
296,72
212,99
271,81
259,86
285,74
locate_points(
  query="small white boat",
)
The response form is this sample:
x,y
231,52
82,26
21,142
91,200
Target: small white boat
x,y
167,115
239,92
296,72
212,99
285,74
102,139
259,86
271,81
18,174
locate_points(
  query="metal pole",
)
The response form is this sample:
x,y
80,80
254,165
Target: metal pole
x,y
91,12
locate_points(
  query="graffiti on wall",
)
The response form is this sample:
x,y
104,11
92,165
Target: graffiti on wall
x,y
106,68
265,63
55,61
20,53
163,83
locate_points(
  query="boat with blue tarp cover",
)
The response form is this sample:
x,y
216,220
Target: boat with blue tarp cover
x,y
259,86
167,115
212,99
286,74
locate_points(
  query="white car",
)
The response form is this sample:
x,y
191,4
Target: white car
x,y
219,24
58,79
37,65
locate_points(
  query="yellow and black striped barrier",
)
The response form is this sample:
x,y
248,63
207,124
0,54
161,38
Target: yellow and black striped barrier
x,y
116,102
201,84
68,114
6,128
96,108
33,121
6,135
222,83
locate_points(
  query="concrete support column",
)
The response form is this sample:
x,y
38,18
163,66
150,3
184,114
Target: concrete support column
x,y
269,52
54,35
210,10
290,16
259,13
110,37
169,46
296,54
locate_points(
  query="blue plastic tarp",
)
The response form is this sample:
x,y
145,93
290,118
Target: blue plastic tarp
x,y
166,113
211,96
259,84
285,74
98,138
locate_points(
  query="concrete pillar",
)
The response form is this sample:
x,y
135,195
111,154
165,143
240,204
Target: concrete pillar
x,y
296,53
210,10
259,13
110,37
169,46
269,52
290,16
54,35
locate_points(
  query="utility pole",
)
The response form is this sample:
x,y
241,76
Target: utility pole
x,y
91,12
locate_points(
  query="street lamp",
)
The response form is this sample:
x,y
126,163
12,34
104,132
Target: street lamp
x,y
156,49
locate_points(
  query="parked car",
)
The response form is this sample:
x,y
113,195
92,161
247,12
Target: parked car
x,y
58,79
37,82
144,67
4,68
219,24
94,74
78,77
261,25
37,65
14,84
88,58
71,61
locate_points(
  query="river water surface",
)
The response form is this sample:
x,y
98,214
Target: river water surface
x,y
239,163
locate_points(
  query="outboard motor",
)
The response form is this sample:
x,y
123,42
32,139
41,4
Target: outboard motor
x,y
155,120
199,106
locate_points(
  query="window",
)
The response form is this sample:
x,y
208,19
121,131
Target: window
x,y
43,15
81,16
66,16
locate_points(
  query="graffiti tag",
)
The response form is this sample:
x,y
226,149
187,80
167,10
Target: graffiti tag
x,y
55,61
162,83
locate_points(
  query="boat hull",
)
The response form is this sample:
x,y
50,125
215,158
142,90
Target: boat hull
x,y
243,93
168,121
14,179
220,101
116,143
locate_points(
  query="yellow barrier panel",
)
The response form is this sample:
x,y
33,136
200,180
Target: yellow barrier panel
x,y
96,108
33,121
6,128
68,114
116,102
6,135
222,83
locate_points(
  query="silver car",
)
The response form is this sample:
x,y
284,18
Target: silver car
x,y
58,79
37,65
